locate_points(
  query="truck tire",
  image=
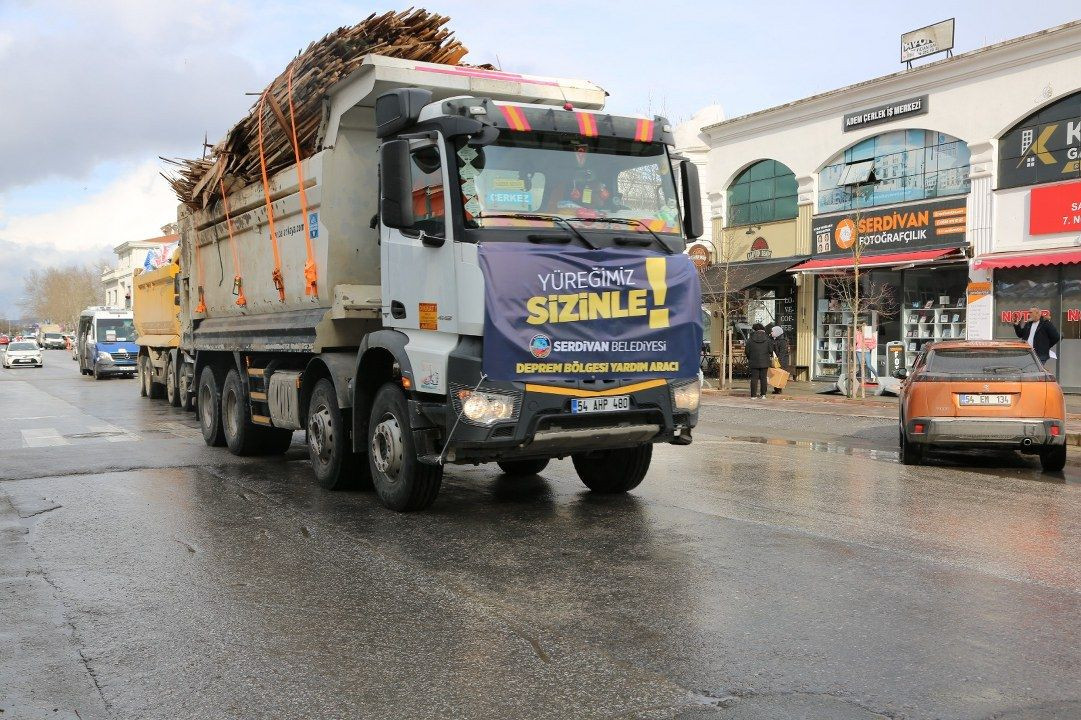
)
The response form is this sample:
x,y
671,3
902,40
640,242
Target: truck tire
x,y
242,436
98,375
402,482
171,392
1054,459
140,371
210,408
334,463
613,471
522,468
187,397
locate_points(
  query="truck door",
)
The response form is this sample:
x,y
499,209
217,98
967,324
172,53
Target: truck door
x,y
418,270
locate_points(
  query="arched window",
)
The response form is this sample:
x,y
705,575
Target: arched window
x,y
1044,147
907,164
764,192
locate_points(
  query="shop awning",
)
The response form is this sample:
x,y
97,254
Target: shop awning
x,y
742,275
1027,259
916,257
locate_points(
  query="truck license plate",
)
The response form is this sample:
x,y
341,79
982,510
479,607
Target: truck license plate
x,y
601,404
985,399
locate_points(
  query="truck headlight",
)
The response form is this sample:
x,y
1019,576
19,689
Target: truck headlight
x,y
486,408
687,396
102,355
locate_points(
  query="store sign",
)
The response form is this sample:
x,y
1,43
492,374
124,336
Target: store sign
x,y
916,226
699,255
1055,209
1044,148
759,249
927,40
885,113
1013,317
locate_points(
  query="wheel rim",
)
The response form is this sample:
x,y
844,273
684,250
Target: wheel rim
x,y
206,411
229,413
321,434
387,447
170,388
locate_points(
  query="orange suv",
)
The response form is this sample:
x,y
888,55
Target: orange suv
x,y
994,395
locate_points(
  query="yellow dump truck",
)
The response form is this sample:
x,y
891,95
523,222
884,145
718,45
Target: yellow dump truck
x,y
161,365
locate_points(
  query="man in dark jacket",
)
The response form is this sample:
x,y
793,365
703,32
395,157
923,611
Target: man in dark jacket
x,y
759,350
1040,334
779,345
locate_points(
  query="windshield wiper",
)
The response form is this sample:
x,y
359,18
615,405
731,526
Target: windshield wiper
x,y
626,221
1001,368
540,216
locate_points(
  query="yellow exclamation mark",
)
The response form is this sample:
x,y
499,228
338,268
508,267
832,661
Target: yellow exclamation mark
x,y
656,270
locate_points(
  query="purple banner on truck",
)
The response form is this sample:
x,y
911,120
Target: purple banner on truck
x,y
589,314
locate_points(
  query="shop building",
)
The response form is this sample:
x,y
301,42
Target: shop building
x,y
960,178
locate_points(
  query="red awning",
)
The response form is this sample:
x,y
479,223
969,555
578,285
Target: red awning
x,y
1027,259
869,261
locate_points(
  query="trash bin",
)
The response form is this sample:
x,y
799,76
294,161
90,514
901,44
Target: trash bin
x,y
895,356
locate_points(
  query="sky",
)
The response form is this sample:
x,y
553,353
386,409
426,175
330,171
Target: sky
x,y
94,93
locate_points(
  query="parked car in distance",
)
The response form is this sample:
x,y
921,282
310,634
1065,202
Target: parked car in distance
x,y
53,341
4,339
25,353
982,394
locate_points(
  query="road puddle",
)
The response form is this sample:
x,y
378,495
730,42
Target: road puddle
x,y
834,448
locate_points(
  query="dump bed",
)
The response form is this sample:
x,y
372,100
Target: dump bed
x,y
157,316
236,260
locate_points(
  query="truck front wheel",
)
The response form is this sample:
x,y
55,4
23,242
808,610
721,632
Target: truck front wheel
x,y
142,373
613,471
334,463
210,408
402,482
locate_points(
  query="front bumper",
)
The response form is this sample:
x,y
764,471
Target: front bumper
x,y
545,426
1025,434
116,367
26,360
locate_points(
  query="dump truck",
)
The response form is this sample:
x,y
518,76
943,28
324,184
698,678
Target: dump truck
x,y
475,266
162,366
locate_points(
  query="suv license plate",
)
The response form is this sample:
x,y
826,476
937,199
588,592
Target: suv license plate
x,y
985,399
601,404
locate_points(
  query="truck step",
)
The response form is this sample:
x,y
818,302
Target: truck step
x,y
256,372
260,420
258,396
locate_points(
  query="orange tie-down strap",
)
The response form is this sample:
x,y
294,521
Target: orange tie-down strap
x,y
311,276
279,282
238,282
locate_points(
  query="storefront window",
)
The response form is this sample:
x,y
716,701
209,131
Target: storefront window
x,y
764,192
908,164
1043,147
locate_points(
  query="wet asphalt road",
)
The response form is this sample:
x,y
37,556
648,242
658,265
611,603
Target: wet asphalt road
x,y
784,566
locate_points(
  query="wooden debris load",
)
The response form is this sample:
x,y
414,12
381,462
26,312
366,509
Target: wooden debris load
x,y
234,162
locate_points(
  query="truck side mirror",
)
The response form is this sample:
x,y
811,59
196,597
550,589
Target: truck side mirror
x,y
395,185
692,199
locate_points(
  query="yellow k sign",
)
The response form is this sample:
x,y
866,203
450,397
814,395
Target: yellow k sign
x,y
1038,147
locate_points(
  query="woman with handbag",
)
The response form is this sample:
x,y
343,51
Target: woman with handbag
x,y
781,353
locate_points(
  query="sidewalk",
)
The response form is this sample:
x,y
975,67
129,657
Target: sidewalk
x,y
811,394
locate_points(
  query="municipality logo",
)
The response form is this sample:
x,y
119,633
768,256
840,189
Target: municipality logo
x,y
540,346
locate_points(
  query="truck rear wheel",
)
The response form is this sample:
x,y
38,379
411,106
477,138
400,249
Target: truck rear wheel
x,y
210,408
521,468
402,482
140,371
613,471
184,387
242,436
334,463
171,393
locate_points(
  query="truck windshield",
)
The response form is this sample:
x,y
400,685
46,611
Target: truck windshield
x,y
116,330
582,179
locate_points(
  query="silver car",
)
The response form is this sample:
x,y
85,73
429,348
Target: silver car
x,y
25,353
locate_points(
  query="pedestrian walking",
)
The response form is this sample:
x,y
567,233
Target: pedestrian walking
x,y
759,350
1041,335
779,345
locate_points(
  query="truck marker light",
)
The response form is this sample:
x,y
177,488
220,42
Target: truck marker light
x,y
407,383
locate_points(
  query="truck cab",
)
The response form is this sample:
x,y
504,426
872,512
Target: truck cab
x,y
105,343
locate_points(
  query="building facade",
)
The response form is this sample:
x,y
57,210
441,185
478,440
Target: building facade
x,y
960,179
118,281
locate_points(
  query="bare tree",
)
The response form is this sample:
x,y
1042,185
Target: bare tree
x,y
59,294
718,283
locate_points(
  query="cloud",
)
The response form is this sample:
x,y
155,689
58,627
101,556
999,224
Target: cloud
x,y
132,207
114,80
